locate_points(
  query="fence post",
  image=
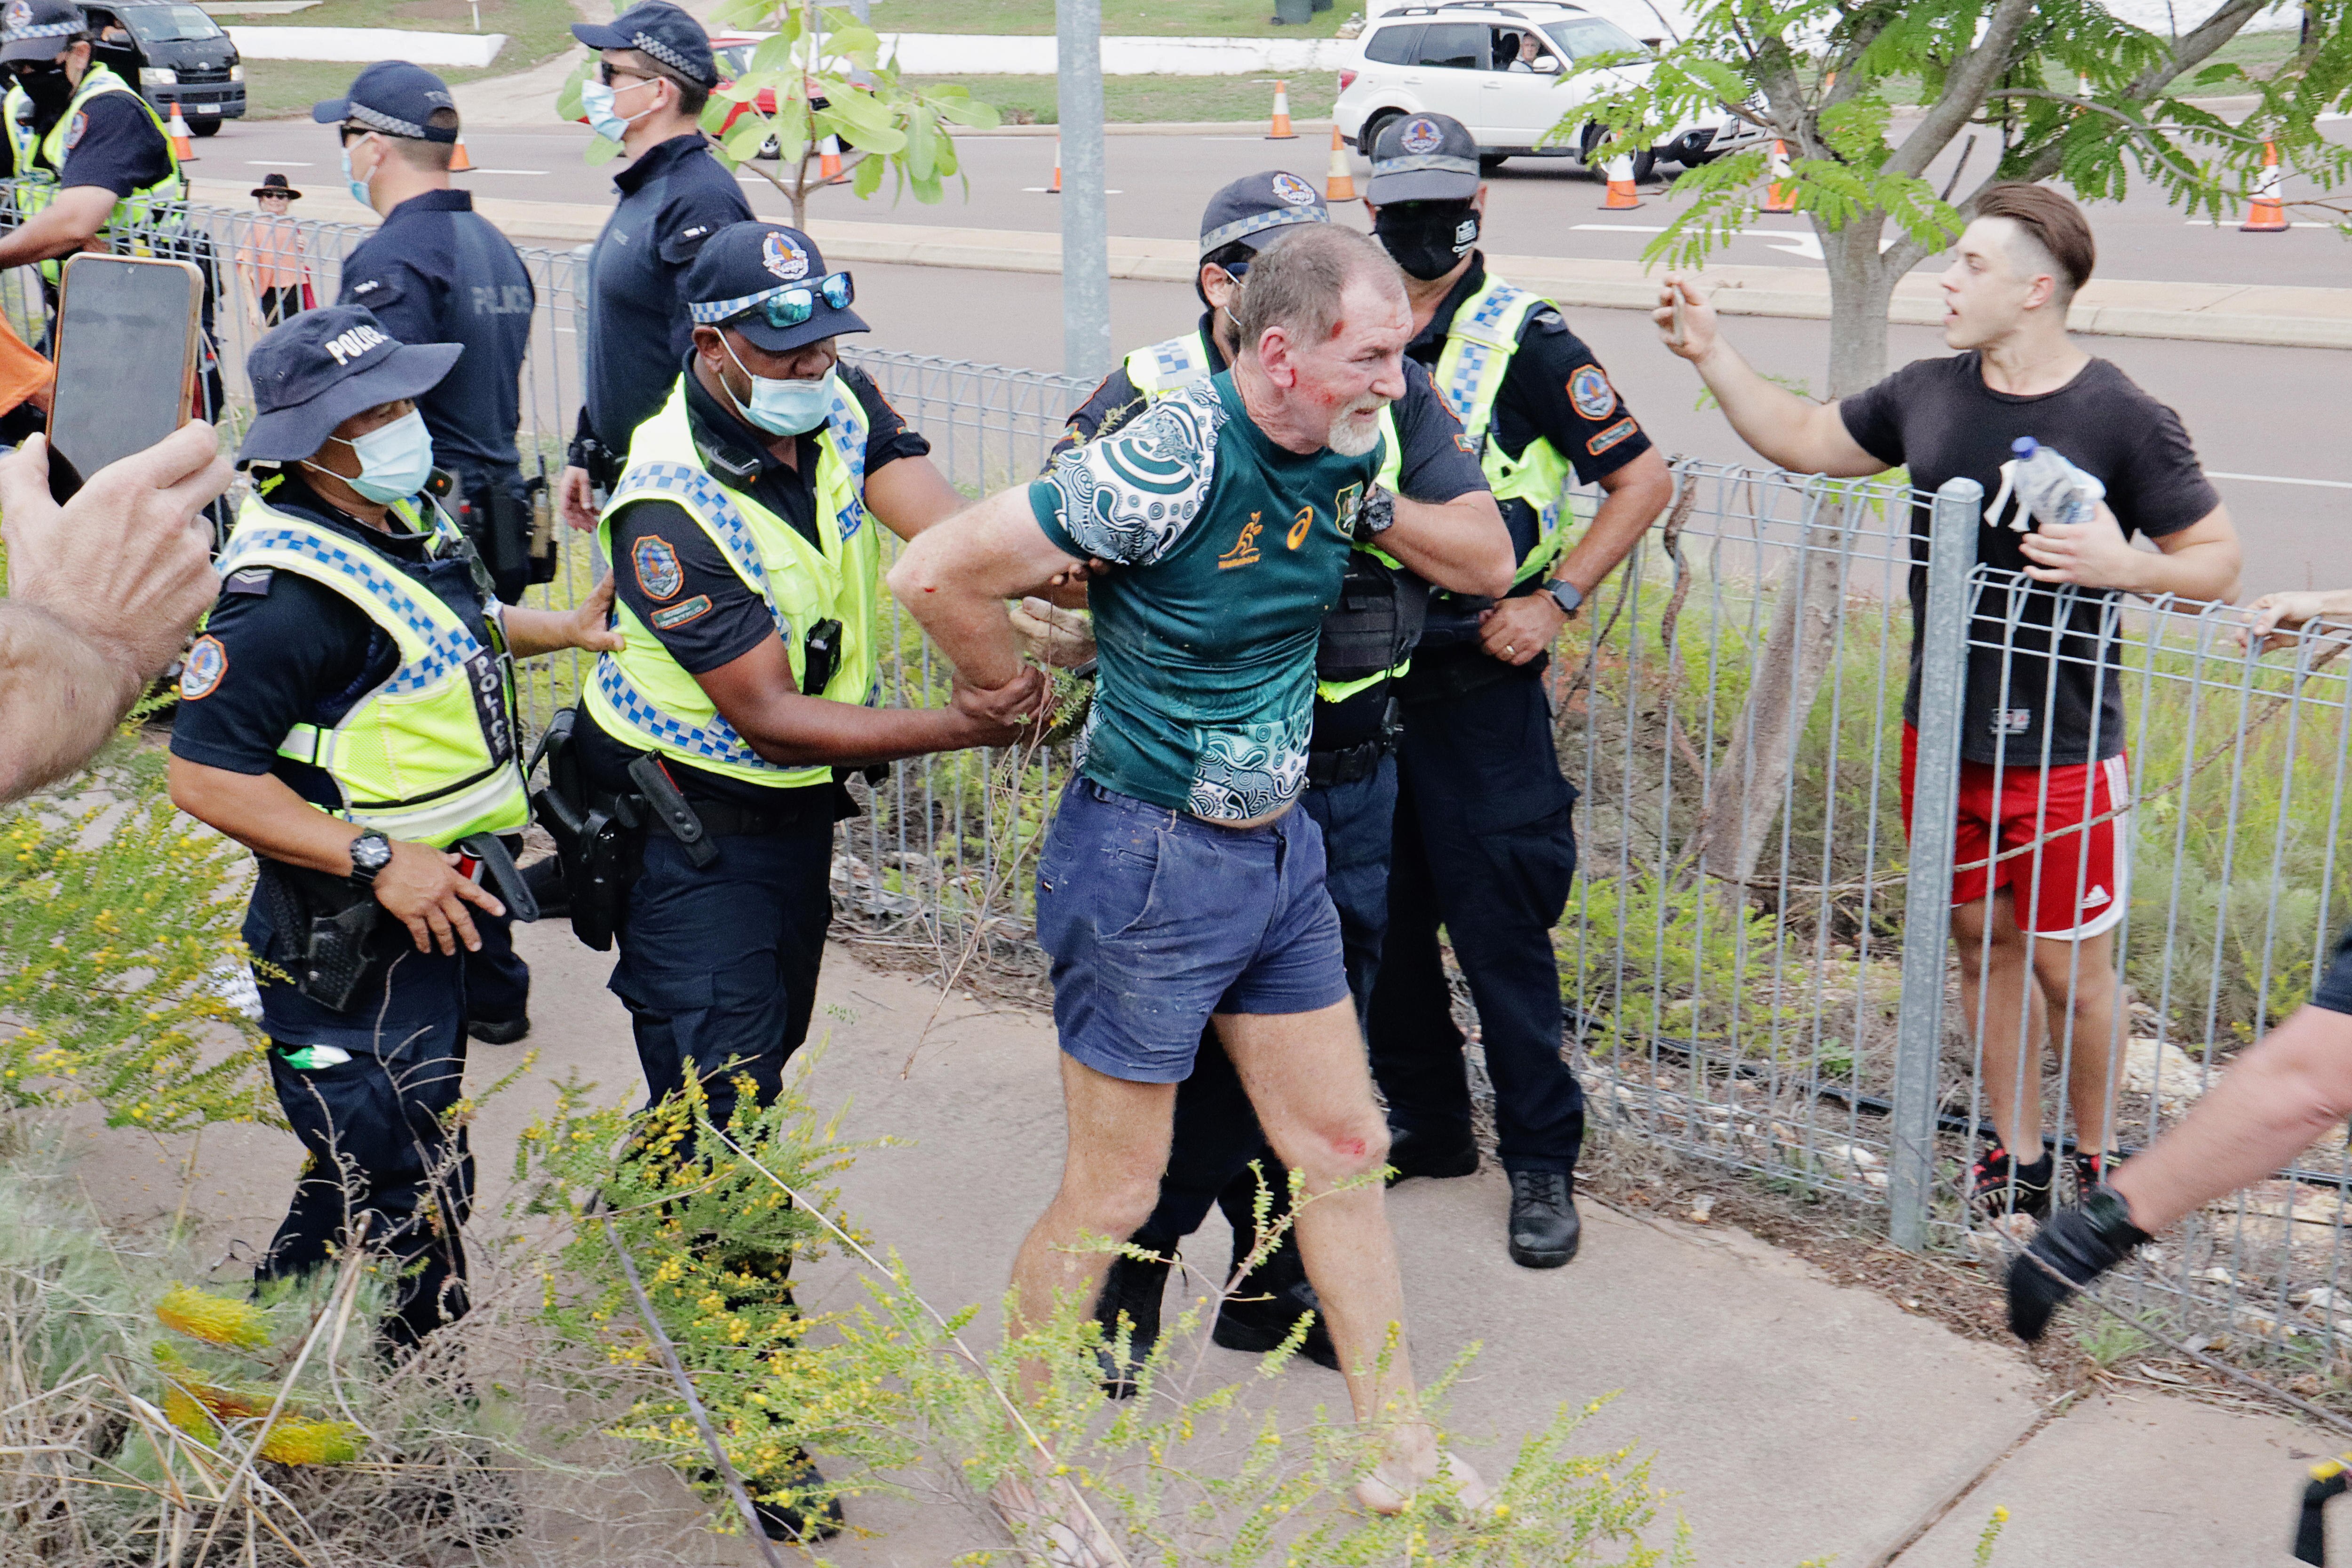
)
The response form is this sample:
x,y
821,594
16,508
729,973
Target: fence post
x,y
1934,813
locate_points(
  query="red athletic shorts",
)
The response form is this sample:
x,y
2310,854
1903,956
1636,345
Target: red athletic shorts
x,y
2073,884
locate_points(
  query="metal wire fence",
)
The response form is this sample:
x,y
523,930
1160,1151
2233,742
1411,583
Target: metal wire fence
x,y
1755,958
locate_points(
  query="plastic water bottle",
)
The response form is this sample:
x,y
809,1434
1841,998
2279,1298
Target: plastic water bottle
x,y
2051,487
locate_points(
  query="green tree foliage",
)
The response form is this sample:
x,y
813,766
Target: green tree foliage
x,y
2063,89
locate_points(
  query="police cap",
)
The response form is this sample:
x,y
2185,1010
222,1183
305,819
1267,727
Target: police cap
x,y
1259,208
39,29
1423,158
756,276
396,98
661,32
318,369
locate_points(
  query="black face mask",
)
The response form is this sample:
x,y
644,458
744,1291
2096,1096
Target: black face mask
x,y
48,85
1427,238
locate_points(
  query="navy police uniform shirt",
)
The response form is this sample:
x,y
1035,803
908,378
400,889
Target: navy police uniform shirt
x,y
679,583
1555,389
437,272
672,199
112,143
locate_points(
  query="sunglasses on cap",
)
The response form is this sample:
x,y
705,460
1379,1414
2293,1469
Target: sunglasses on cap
x,y
789,307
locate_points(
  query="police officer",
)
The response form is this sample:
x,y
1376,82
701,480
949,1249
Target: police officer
x,y
1485,844
744,537
93,149
656,75
434,272
1350,781
349,712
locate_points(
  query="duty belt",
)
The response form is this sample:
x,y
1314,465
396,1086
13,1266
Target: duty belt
x,y
1348,764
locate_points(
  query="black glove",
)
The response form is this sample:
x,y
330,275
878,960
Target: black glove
x,y
2074,1248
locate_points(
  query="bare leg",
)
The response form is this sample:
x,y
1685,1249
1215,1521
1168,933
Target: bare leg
x,y
1306,1075
2079,980
1110,1179
1993,982
2273,1102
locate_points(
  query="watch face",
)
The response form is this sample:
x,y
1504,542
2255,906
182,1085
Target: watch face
x,y
371,852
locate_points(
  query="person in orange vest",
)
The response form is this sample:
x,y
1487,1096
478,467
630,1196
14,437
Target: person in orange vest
x,y
272,261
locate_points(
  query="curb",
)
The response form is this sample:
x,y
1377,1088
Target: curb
x,y
2255,314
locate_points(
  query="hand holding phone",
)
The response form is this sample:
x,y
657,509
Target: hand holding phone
x,y
126,349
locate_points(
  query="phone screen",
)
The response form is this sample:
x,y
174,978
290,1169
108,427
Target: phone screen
x,y
125,338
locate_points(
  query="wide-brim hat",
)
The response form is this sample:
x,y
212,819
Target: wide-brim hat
x,y
276,185
320,368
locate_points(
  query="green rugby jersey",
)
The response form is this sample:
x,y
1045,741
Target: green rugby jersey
x,y
1230,551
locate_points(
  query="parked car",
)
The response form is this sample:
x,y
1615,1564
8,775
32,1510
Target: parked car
x,y
172,53
1497,67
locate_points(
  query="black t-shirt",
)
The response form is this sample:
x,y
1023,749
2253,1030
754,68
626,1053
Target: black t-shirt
x,y
672,199
288,650
1939,418
436,272
113,143
1556,390
704,613
1437,464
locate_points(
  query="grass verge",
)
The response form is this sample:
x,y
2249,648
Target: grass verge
x,y
535,30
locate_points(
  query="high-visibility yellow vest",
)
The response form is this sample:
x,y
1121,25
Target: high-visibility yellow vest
x,y
40,159
642,695
1479,344
433,753
1162,368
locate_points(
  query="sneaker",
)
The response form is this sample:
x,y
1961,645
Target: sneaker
x,y
1415,1154
2092,1170
1545,1229
1131,1290
1264,1305
1998,1185
2076,1248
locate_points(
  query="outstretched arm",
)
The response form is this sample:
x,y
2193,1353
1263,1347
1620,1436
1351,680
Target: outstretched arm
x,y
1801,435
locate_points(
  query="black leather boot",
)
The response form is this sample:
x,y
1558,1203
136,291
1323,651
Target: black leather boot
x,y
1545,1229
2074,1248
1266,1304
1133,1290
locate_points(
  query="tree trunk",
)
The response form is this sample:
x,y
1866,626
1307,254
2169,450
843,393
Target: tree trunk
x,y
1752,778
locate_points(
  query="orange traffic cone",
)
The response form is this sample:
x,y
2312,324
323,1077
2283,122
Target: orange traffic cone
x,y
1782,196
183,140
1340,186
828,160
1056,188
1281,130
2268,214
458,161
1622,194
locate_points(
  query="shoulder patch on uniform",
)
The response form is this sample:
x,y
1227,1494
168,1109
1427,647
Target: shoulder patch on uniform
x,y
659,573
201,672
1590,391
1615,435
253,580
75,130
1462,439
669,618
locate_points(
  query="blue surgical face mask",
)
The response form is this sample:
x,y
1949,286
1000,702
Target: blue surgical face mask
x,y
394,461
596,102
783,408
359,187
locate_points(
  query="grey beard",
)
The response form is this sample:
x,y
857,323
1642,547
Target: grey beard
x,y
1347,443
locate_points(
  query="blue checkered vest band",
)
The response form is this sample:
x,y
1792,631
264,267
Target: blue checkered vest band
x,y
1471,369
641,696
432,755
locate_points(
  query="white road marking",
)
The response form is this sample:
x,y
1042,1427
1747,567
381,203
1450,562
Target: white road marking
x,y
2280,479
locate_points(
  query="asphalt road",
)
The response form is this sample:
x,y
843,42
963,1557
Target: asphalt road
x,y
1536,206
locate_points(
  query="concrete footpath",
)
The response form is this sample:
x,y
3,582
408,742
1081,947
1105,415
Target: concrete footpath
x,y
1791,1418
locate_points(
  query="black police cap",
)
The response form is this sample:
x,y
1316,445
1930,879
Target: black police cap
x,y
39,29
1259,208
318,369
745,263
660,31
392,97
1423,158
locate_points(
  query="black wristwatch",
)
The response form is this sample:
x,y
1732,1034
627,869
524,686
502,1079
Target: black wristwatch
x,y
1375,514
370,853
1565,594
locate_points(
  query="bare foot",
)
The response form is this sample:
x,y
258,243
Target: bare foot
x,y
1392,1484
1057,1530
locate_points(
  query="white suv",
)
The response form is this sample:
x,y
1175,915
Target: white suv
x,y
1497,67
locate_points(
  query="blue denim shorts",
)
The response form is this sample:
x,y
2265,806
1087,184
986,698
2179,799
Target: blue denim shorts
x,y
1156,920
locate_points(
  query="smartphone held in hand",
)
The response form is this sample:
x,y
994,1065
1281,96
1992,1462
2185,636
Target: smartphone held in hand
x,y
126,349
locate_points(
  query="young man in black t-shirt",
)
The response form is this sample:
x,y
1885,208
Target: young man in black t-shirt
x,y
2042,742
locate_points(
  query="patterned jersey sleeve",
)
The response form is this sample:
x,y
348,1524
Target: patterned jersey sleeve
x,y
1130,497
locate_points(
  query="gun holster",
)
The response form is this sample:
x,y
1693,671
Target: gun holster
x,y
323,924
598,845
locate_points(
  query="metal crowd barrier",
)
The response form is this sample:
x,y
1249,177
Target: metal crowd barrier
x,y
1755,959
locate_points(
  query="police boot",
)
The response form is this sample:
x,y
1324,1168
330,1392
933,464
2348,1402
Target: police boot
x,y
2074,1248
1544,1227
1132,1291
1266,1304
798,1518
1422,1153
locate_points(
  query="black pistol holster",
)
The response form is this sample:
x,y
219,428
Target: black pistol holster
x,y
599,843
323,924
